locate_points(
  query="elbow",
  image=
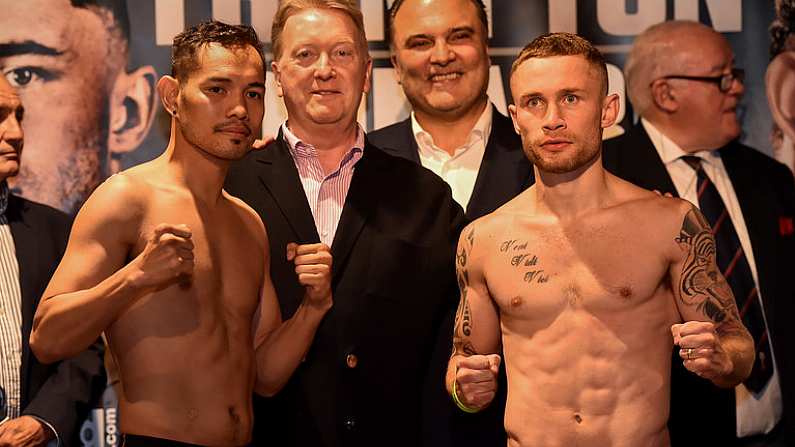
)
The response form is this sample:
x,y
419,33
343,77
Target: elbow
x,y
267,388
44,352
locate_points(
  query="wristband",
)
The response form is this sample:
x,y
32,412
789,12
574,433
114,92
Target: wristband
x,y
460,404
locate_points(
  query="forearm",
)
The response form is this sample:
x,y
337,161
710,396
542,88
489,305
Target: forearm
x,y
282,351
68,323
739,346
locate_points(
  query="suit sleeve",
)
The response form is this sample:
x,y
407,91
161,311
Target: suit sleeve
x,y
72,387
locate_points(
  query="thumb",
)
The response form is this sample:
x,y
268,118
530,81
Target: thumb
x,y
260,144
292,250
494,363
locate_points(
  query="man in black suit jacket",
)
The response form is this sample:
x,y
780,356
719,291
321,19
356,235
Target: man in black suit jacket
x,y
453,129
51,400
683,85
392,227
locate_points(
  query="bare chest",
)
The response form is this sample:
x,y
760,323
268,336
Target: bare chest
x,y
538,276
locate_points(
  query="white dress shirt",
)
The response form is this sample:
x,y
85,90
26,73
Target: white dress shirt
x,y
459,170
756,414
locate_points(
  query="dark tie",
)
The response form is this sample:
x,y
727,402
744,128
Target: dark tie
x,y
734,265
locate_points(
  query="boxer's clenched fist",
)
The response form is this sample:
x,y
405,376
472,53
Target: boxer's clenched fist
x,y
701,350
313,267
476,380
166,258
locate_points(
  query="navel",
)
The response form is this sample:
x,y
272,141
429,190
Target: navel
x,y
193,414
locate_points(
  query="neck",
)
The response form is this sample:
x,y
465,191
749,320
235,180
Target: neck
x,y
194,169
667,126
332,141
572,194
451,132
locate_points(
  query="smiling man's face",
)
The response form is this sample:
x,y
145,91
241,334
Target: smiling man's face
x,y
440,54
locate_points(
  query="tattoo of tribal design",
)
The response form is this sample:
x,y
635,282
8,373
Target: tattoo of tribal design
x,y
463,316
702,283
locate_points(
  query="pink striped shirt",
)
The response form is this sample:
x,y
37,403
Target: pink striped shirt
x,y
325,192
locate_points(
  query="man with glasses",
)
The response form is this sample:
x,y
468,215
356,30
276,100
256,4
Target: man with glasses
x,y
683,84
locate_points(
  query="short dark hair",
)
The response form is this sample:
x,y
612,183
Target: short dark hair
x,y
479,6
562,44
187,44
117,10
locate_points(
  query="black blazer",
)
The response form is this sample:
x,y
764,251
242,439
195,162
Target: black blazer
x,y
504,172
766,194
61,393
394,294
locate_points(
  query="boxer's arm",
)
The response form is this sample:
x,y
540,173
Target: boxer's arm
x,y
477,327
722,348
91,285
280,346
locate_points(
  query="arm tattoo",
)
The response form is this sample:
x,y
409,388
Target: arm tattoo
x,y
463,316
702,283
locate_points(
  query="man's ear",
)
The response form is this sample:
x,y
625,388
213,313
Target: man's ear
x,y
397,69
368,76
168,89
512,113
780,87
277,79
610,107
663,96
131,109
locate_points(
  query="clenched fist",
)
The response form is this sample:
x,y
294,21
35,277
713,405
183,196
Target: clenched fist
x,y
701,350
166,258
476,380
313,267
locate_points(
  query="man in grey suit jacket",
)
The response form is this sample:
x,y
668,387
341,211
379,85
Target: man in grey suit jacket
x,y
41,402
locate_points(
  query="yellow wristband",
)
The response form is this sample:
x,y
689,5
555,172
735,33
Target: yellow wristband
x,y
460,404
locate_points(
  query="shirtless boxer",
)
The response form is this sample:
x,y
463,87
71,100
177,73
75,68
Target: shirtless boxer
x,y
174,270
586,277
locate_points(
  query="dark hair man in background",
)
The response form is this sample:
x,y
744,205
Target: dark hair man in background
x,y
586,280
391,225
39,402
175,271
440,54
683,83
68,61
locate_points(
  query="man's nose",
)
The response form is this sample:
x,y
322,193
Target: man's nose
x,y
553,120
442,53
324,69
11,131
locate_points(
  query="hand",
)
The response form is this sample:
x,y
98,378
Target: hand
x,y
167,257
260,144
476,378
24,431
667,194
701,349
313,267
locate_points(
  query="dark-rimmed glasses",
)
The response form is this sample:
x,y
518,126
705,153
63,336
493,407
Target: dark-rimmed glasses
x,y
724,81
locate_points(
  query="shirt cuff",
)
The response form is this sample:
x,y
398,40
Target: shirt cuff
x,y
57,440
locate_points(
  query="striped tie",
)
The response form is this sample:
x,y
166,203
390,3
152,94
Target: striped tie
x,y
734,265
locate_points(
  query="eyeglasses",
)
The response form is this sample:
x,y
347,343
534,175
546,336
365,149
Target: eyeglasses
x,y
724,81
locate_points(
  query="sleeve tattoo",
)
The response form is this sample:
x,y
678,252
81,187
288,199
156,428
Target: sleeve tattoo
x,y
463,317
702,284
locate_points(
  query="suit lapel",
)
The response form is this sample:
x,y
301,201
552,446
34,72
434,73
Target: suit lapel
x,y
641,164
280,177
408,147
359,204
502,173
756,208
24,236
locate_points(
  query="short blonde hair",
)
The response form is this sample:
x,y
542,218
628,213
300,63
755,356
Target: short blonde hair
x,y
288,8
